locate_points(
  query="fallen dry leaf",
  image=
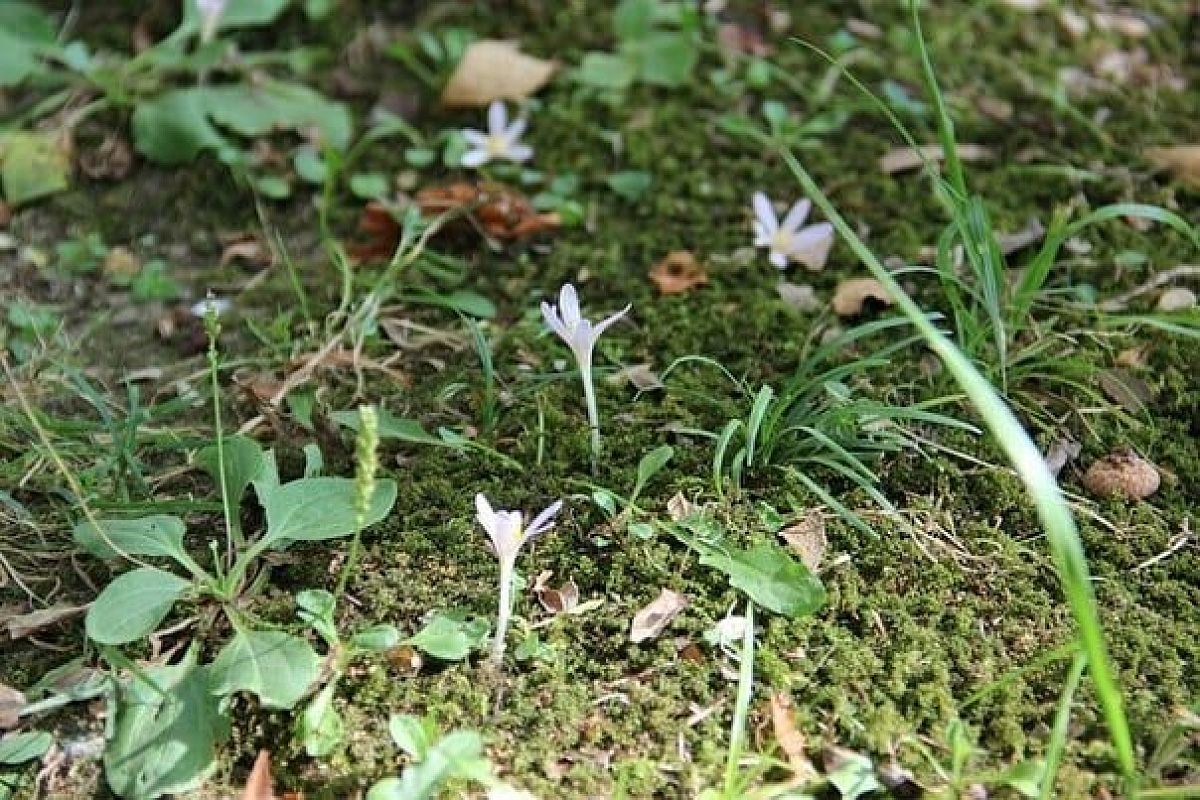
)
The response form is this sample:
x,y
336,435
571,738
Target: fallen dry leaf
x,y
1126,389
640,376
109,160
1032,233
121,265
655,617
490,70
1061,453
18,626
733,37
406,660
556,601
678,272
801,298
791,740
1182,160
1122,474
807,539
679,507
258,784
905,159
1122,23
1176,299
854,296
502,212
249,250
11,703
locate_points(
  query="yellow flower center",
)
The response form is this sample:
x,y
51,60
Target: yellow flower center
x,y
781,241
496,145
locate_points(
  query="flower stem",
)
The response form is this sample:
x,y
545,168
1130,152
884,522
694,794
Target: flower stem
x,y
589,397
505,612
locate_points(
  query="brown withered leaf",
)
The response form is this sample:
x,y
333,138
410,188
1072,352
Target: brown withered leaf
x,y
259,785
906,159
655,617
502,212
492,69
1182,160
640,376
1179,298
807,539
18,626
249,250
109,160
11,703
1126,389
678,272
679,507
857,295
556,601
121,265
406,660
791,740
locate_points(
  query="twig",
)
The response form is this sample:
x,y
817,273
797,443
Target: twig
x,y
1120,302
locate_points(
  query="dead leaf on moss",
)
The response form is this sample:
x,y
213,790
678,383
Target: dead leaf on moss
x,y
655,617
490,70
1061,453
562,600
18,626
1128,390
807,539
678,272
121,265
791,741
906,159
853,297
502,212
249,250
1179,298
640,376
109,160
11,703
258,784
679,507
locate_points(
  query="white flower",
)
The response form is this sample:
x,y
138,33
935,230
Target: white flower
x,y
572,327
210,17
502,140
217,305
807,245
508,533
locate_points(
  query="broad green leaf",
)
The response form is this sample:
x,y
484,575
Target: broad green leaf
x,y
634,19
390,427
237,14
650,465
631,184
1025,777
770,577
457,755
132,605
369,185
174,127
667,59
158,535
32,164
274,665
471,303
254,110
376,638
309,166
319,9
315,509
412,734
320,727
606,71
25,33
446,639
17,748
168,726
854,777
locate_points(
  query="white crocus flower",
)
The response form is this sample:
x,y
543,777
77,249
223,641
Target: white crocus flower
x,y
808,245
210,17
580,334
508,534
501,142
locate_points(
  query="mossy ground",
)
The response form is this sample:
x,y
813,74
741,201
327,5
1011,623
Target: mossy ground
x,y
917,630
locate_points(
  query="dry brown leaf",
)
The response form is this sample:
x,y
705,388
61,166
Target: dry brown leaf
x,y
678,272
121,265
258,784
733,37
854,296
905,159
109,160
791,740
1122,474
1177,299
18,626
11,703
1061,453
1122,23
1126,389
249,250
640,376
406,660
679,507
1182,160
807,539
562,600
655,617
490,70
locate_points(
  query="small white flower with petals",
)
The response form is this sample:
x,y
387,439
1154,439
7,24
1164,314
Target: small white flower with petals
x,y
210,17
808,245
508,533
501,142
580,334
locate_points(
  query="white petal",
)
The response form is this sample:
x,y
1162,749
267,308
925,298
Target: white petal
x,y
811,245
497,118
762,236
604,324
568,304
513,132
474,138
519,152
764,212
778,259
487,518
550,314
796,216
475,158
543,521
